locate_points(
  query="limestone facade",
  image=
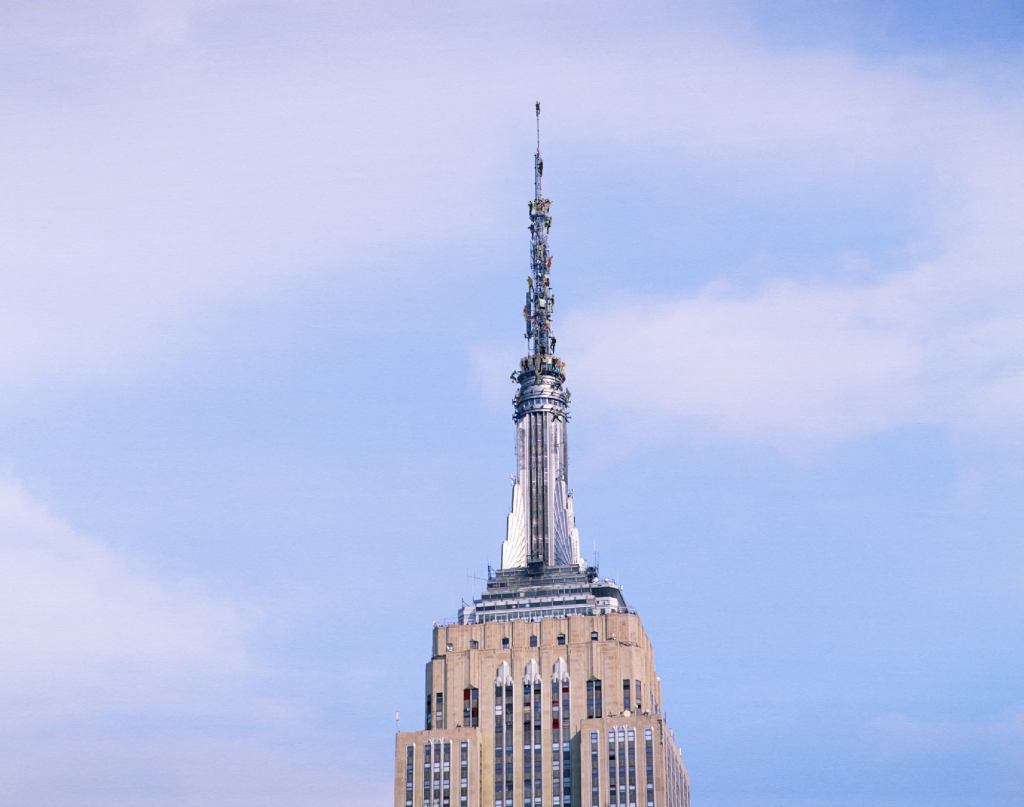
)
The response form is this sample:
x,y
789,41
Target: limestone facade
x,y
557,712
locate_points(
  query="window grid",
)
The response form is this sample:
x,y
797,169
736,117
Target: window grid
x,y
621,767
561,743
410,752
613,771
503,750
533,777
427,774
631,766
463,773
649,765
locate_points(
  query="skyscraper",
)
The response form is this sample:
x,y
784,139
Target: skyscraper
x,y
543,693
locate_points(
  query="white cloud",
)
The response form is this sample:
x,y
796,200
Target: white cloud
x,y
938,342
86,631
195,769
119,687
161,159
797,366
131,213
899,733
147,187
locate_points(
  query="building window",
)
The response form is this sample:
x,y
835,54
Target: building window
x,y
474,644
593,635
595,782
446,774
427,772
505,642
439,710
533,777
631,765
409,765
595,707
503,745
533,640
613,771
561,638
649,765
463,773
471,707
430,713
622,767
637,696
627,700
561,742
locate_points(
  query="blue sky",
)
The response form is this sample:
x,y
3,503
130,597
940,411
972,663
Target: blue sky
x,y
261,267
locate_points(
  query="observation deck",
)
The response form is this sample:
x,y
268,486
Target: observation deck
x,y
539,592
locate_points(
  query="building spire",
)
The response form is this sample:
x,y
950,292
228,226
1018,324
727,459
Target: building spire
x,y
541,529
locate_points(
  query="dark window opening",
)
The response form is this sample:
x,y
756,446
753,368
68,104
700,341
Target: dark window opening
x,y
595,707
471,707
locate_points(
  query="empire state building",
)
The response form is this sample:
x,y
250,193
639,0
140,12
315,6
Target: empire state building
x,y
543,692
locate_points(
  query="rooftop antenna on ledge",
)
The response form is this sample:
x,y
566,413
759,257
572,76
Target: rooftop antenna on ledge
x,y
398,716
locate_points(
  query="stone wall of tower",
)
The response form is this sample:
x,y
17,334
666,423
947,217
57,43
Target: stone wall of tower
x,y
631,761
611,648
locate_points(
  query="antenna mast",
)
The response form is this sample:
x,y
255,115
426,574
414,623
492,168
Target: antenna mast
x,y
541,531
540,302
538,163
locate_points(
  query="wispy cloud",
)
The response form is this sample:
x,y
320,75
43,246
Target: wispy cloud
x,y
936,343
900,733
164,160
121,686
88,631
154,172
146,188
